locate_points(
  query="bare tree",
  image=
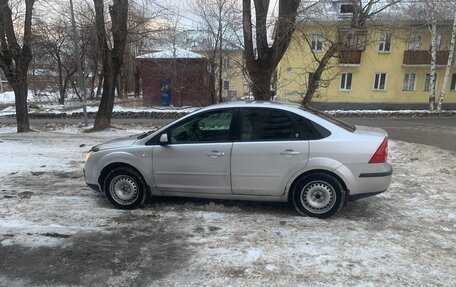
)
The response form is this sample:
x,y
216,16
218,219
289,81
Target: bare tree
x,y
52,40
263,58
15,60
219,18
112,57
433,29
140,33
448,67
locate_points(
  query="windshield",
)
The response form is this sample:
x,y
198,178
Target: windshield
x,y
344,125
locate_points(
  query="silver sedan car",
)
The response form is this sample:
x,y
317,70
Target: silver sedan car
x,y
263,151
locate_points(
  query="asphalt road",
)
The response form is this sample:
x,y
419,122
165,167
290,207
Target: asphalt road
x,y
438,132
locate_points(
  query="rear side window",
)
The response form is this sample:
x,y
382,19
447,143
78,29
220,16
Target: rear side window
x,y
267,125
311,130
344,125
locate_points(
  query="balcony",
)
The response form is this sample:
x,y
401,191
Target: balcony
x,y
423,57
353,39
350,57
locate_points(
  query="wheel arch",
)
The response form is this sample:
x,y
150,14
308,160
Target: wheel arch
x,y
105,171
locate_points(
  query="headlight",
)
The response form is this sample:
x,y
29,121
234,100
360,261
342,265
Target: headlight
x,y
88,155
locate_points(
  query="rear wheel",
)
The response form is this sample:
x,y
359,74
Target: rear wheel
x,y
125,188
318,195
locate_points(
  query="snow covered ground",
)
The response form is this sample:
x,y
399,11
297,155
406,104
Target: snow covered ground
x,y
55,231
47,104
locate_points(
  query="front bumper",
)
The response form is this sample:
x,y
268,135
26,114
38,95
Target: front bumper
x,y
93,186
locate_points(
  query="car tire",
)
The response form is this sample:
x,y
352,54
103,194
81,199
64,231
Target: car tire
x,y
319,195
125,188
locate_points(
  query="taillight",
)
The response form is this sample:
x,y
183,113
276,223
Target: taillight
x,y
381,155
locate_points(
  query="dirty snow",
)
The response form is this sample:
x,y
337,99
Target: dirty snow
x,y
69,110
55,231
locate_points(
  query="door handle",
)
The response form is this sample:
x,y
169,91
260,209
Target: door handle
x,y
215,154
290,152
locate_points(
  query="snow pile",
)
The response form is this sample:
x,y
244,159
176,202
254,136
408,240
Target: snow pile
x,y
9,98
60,109
405,236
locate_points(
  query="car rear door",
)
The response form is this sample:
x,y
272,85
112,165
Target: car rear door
x,y
197,159
268,151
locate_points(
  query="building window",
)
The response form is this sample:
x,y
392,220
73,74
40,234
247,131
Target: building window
x,y
226,85
409,82
317,41
453,83
385,42
226,63
415,42
427,82
380,82
346,81
346,8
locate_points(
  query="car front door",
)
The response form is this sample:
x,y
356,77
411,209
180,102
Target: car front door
x,y
270,149
197,157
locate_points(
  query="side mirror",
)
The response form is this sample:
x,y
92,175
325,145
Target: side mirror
x,y
163,139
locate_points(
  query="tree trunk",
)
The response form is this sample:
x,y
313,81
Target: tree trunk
x,y
220,77
448,67
433,58
20,95
104,115
137,81
119,87
112,58
61,86
212,84
261,65
100,85
15,60
261,84
220,51
316,78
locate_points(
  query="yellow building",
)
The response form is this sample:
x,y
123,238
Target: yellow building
x,y
388,62
235,84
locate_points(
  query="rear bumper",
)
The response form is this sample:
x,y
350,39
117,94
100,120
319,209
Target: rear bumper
x,y
362,195
378,174
363,180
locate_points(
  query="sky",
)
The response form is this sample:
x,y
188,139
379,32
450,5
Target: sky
x,y
187,15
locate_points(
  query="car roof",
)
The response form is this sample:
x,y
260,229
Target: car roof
x,y
250,104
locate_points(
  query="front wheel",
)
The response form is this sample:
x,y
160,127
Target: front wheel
x,y
125,188
318,195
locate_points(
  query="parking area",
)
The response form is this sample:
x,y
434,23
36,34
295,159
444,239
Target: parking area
x,y
55,231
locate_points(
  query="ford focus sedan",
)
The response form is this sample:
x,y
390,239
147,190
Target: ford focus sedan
x,y
262,151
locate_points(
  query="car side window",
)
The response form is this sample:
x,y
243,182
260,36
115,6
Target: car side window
x,y
212,126
267,125
309,129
